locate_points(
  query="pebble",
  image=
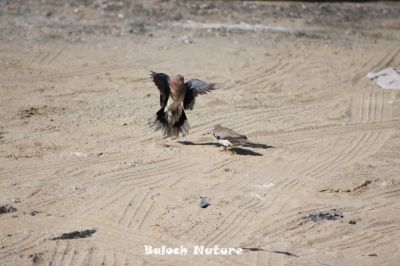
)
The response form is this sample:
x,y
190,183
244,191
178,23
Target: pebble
x,y
204,202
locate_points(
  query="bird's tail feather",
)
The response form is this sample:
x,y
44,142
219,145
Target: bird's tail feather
x,y
171,123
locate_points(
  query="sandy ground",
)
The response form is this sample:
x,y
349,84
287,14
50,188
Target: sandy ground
x,y
77,153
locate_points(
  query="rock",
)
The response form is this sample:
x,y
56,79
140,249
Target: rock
x,y
186,39
204,202
7,209
15,200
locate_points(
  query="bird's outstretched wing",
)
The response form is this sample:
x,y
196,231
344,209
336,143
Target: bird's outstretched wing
x,y
195,87
162,82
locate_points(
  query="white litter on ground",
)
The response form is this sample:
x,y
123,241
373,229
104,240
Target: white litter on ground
x,y
79,154
225,26
264,185
388,78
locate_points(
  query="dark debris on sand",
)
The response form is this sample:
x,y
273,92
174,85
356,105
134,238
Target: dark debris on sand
x,y
290,254
361,188
75,235
331,215
7,209
36,258
253,249
287,253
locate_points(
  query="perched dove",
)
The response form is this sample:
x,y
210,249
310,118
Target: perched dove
x,y
176,96
229,138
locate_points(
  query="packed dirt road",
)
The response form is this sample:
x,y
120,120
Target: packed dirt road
x,y
77,152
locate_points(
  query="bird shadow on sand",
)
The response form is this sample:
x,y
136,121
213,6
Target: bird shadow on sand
x,y
185,142
236,150
241,151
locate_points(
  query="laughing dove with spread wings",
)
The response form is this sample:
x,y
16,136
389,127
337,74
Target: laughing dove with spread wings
x,y
176,96
230,138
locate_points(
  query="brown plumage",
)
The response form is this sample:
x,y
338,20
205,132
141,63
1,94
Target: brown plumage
x,y
176,96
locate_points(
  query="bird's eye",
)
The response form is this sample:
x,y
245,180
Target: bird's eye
x,y
181,78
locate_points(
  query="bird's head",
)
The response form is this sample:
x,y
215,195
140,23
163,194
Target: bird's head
x,y
178,79
177,82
